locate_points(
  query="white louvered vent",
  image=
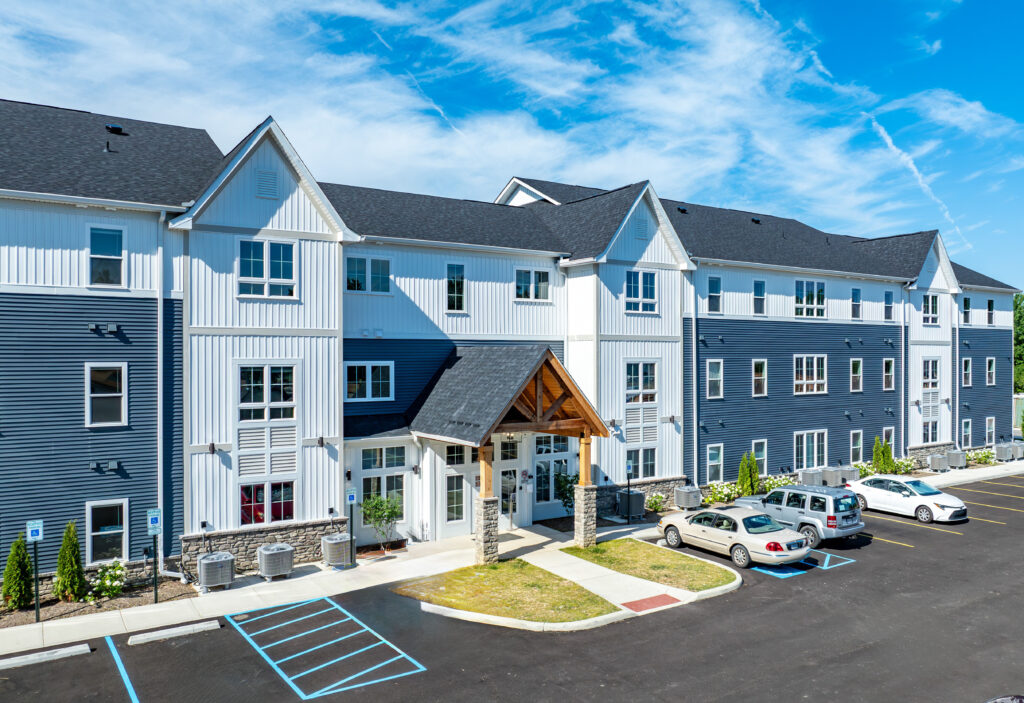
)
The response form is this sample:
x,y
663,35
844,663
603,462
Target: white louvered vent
x,y
282,437
633,434
252,438
282,463
650,416
633,416
650,433
930,405
266,184
252,465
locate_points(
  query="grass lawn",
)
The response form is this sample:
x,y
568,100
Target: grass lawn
x,y
647,561
511,589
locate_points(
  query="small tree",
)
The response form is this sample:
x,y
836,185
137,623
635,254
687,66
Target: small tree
x,y
888,463
748,479
69,584
565,490
381,514
17,590
876,455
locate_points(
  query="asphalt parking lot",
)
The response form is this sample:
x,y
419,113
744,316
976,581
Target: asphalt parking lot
x,y
903,612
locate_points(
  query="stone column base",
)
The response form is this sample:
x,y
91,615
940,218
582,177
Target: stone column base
x,y
585,515
485,526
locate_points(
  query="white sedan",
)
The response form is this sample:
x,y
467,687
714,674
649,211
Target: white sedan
x,y
743,534
907,496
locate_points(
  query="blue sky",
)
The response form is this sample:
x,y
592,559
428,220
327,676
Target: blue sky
x,y
868,118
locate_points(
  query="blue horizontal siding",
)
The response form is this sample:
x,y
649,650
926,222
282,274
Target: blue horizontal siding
x,y
173,431
45,449
981,401
688,469
738,419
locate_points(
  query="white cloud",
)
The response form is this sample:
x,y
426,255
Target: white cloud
x,y
930,48
946,108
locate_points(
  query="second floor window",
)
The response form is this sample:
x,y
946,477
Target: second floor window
x,y
810,299
106,402
991,311
370,380
641,383
990,371
106,257
759,298
810,374
888,374
456,288
714,389
856,375
930,309
254,401
364,274
714,294
966,371
888,306
759,380
532,285
966,309
855,303
641,291
266,269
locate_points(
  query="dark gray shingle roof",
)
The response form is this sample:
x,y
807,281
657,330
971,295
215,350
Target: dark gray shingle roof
x,y
970,277
586,226
562,192
59,151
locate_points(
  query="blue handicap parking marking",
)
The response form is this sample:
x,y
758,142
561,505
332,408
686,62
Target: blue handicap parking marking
x,y
318,648
826,561
781,571
819,560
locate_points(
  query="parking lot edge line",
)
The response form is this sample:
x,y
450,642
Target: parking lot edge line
x,y
989,493
120,668
275,667
1008,485
307,632
914,524
335,661
332,689
981,519
276,612
997,507
304,617
311,649
883,539
371,630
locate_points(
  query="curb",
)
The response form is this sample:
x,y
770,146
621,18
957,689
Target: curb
x,y
531,625
168,633
709,592
48,655
958,477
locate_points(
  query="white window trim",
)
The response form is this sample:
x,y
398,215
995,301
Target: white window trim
x,y
801,433
861,434
464,310
753,445
638,468
990,360
966,311
931,318
89,366
755,298
816,380
966,430
266,364
990,312
465,511
815,306
640,391
367,259
892,380
966,372
859,376
383,476
266,281
640,289
89,227
990,421
888,309
721,462
860,303
753,390
533,299
721,379
125,551
383,448
891,431
266,481
369,381
721,302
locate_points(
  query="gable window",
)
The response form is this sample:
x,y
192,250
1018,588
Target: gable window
x,y
856,375
810,449
888,306
991,311
367,275
810,374
106,538
714,294
106,257
759,377
714,389
810,299
966,309
888,374
990,431
509,451
759,448
930,310
855,304
965,371
456,288
714,462
369,380
641,291
254,403
106,395
266,184
455,455
965,433
641,383
532,285
266,271
856,446
759,298
990,371
383,457
272,501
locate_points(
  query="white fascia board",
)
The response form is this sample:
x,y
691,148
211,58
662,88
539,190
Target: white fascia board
x,y
676,246
503,195
442,438
457,245
600,258
87,202
989,289
800,270
674,242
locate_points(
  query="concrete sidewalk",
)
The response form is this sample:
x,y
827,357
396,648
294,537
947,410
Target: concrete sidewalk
x,y
956,477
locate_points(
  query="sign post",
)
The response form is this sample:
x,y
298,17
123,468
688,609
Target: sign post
x,y
350,499
34,530
154,526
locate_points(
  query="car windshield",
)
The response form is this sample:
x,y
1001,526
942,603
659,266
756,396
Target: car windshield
x,y
760,524
923,488
845,504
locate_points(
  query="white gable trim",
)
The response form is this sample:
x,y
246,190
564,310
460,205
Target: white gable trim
x,y
514,183
939,247
665,229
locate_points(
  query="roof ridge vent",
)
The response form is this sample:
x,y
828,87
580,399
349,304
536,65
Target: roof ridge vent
x,y
681,209
755,220
115,129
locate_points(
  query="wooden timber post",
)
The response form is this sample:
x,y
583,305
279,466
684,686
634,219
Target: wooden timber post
x,y
486,512
487,471
585,458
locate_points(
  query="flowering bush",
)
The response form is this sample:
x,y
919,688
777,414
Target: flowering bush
x,y
108,582
865,469
656,502
981,456
721,492
770,483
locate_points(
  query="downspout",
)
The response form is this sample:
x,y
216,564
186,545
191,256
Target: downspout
x,y
595,447
340,498
954,395
906,373
693,374
159,556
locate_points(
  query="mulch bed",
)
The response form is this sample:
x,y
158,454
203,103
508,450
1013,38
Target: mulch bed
x,y
374,550
170,589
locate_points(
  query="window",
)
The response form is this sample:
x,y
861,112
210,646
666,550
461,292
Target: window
x,y
759,447
759,298
455,498
367,275
888,306
810,375
640,462
759,377
546,469
106,539
509,451
774,498
106,257
258,501
370,380
991,311
930,401
714,462
990,371
253,401
810,450
383,457
966,309
965,372
532,284
551,444
855,303
456,288
930,310
714,389
796,500
888,374
714,294
254,267
810,299
641,383
930,431
856,446
455,455
990,431
641,291
106,395
818,504
965,433
391,486
856,375
888,433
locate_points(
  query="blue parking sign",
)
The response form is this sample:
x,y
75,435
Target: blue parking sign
x,y
34,530
154,521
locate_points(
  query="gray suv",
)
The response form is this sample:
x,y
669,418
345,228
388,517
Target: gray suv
x,y
816,512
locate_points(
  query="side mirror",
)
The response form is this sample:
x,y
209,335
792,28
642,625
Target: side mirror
x,y
905,494
764,501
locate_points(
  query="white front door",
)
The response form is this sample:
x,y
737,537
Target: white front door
x,y
508,498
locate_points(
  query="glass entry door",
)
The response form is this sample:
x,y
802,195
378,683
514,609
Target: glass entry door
x,y
509,499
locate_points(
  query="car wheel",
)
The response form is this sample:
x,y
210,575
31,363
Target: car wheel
x,y
740,556
924,514
862,502
811,535
672,538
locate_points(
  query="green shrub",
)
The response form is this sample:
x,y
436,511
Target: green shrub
x,y
865,469
109,581
902,466
656,502
876,456
981,456
381,514
770,483
721,492
69,584
565,490
17,589
748,480
888,463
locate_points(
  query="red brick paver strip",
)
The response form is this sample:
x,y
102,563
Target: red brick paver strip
x,y
638,606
